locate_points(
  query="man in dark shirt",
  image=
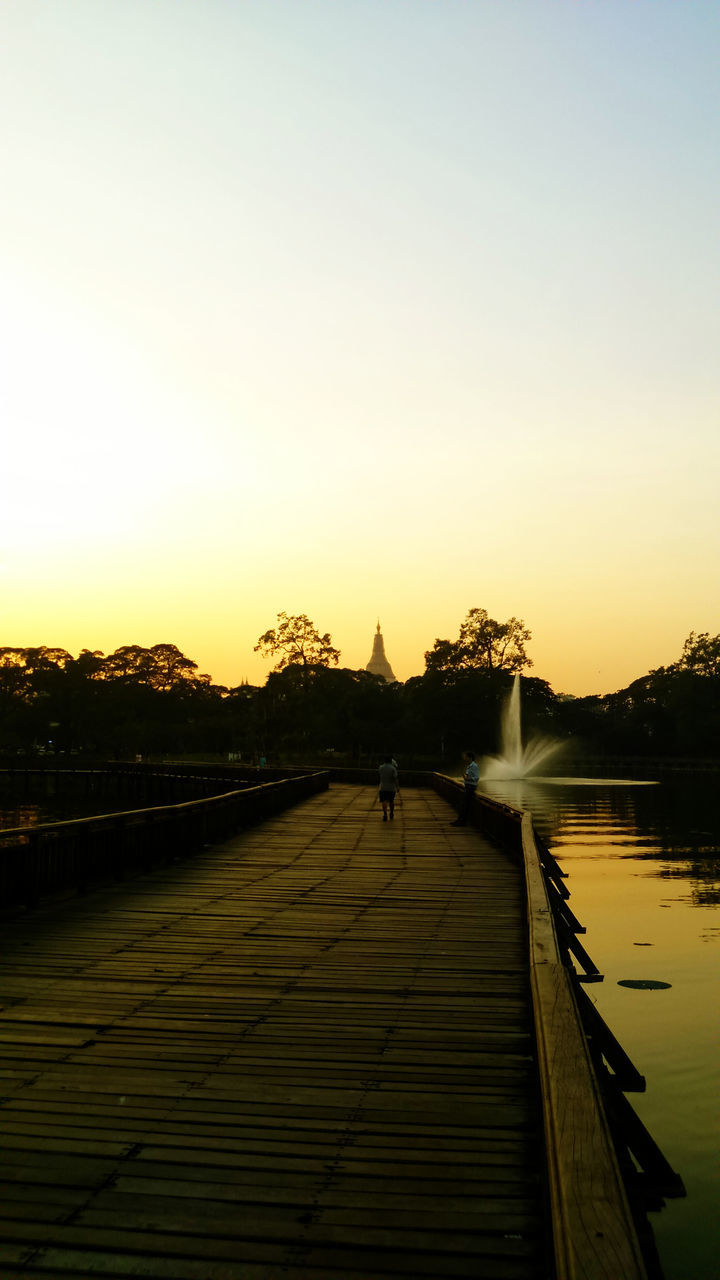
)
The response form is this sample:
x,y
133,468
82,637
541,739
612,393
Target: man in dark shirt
x,y
471,777
389,786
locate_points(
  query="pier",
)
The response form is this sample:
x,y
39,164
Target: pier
x,y
327,1048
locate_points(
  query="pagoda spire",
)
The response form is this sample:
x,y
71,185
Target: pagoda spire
x,y
378,664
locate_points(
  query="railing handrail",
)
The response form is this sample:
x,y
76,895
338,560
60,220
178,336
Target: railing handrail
x,y
57,856
42,828
593,1227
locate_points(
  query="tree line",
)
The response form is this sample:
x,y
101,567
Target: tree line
x,y
155,701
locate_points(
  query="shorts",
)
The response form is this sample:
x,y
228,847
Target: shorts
x,y
387,796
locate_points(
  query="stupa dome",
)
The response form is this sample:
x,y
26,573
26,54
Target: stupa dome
x,y
378,664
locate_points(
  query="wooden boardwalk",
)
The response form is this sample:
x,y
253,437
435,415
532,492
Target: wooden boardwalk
x,y
305,1053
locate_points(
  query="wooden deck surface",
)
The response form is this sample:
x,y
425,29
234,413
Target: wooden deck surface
x,y
305,1053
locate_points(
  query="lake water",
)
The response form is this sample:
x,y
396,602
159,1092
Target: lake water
x,y
643,864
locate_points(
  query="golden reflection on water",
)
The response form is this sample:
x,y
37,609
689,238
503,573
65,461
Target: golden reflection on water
x,y
23,815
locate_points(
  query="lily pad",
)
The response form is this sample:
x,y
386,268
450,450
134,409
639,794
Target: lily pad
x,y
644,984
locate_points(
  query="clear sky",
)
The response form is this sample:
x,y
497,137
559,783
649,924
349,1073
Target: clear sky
x,y
360,309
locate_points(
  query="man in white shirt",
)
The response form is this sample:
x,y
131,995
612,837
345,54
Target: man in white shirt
x,y
471,777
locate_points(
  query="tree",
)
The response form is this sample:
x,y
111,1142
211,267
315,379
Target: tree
x,y
163,668
31,681
483,645
32,671
297,642
701,654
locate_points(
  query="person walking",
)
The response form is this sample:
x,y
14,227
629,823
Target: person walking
x,y
389,787
471,777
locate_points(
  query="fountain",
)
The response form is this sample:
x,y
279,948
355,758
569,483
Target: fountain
x,y
515,759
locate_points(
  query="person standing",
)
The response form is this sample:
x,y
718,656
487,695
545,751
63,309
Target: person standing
x,y
389,787
471,777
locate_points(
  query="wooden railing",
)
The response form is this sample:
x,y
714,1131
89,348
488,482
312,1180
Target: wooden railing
x,y
54,856
593,1226
591,1131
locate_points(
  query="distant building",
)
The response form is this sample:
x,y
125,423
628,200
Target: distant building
x,y
378,664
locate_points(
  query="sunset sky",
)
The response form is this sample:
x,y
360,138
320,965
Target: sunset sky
x,y
361,309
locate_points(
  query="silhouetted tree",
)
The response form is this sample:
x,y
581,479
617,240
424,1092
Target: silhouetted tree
x,y
163,668
701,654
297,642
483,644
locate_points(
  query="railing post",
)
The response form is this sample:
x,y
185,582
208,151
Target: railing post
x,y
29,871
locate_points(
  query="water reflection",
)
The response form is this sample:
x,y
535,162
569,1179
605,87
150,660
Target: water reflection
x,y
22,815
29,814
676,821
643,866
